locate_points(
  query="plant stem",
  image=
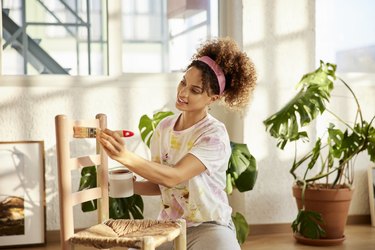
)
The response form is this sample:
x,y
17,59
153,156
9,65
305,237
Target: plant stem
x,y
355,98
317,177
341,120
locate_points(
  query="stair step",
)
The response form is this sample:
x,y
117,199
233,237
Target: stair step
x,y
16,46
6,11
37,40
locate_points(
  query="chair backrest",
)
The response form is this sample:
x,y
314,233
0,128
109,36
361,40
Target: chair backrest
x,y
69,198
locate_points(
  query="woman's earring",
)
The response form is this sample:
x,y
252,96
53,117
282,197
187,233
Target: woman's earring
x,y
209,108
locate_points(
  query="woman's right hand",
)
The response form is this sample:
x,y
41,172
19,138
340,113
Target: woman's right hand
x,y
113,144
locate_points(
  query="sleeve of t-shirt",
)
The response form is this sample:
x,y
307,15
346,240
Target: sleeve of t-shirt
x,y
213,150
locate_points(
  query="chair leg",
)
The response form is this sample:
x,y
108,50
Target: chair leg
x,y
67,245
180,241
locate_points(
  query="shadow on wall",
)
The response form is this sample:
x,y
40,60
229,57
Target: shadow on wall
x,y
29,105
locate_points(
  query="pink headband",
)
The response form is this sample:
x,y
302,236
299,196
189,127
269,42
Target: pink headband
x,y
217,70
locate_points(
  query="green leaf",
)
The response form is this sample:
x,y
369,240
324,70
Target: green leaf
x,y
242,227
371,143
242,168
126,208
308,224
315,154
147,125
246,181
315,88
229,186
136,206
87,181
118,208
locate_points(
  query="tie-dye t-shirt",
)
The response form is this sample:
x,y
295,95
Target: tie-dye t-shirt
x,y
203,197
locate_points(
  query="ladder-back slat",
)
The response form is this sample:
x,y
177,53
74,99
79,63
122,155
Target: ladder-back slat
x,y
86,195
85,161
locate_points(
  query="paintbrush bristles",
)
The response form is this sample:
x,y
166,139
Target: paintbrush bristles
x,y
84,132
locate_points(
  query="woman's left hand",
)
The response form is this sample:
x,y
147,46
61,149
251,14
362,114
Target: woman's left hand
x,y
113,144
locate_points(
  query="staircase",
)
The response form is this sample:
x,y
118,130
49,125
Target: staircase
x,y
36,55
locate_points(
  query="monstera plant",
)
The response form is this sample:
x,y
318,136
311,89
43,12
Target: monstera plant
x,y
241,173
329,166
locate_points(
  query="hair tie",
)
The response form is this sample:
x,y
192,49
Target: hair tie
x,y
216,69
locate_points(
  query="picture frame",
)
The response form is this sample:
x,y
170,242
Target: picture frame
x,y
371,189
22,194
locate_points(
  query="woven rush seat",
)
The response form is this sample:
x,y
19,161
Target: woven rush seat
x,y
127,233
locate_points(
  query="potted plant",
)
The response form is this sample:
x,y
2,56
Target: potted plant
x,y
241,173
328,167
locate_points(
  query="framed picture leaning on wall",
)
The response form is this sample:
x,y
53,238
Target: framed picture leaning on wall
x,y
22,194
371,192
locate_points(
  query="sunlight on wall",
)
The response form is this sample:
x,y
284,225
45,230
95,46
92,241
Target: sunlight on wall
x,y
282,48
291,17
255,21
292,62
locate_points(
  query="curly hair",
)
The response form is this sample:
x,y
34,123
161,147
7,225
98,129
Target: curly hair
x,y
239,71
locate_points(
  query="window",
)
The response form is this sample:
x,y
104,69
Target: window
x,y
69,37
62,37
344,37
161,35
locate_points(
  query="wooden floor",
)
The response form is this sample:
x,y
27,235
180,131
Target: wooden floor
x,y
358,237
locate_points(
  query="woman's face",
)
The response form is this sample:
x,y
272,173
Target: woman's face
x,y
191,95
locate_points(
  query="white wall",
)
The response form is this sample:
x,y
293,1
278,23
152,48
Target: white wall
x,y
278,35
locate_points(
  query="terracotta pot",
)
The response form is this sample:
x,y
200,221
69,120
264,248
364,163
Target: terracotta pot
x,y
333,204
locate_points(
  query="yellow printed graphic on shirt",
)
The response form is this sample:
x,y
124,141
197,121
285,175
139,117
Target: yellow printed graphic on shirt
x,y
175,144
190,145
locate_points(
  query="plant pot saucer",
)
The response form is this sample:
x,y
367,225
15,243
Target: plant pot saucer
x,y
318,242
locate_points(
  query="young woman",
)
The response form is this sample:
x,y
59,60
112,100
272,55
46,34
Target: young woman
x,y
190,150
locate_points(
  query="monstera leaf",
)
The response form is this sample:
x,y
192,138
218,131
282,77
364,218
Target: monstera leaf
x,y
371,142
126,208
242,227
87,181
307,104
147,125
308,223
242,169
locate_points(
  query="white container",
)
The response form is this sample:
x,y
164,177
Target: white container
x,y
120,183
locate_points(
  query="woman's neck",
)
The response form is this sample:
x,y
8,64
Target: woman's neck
x,y
188,119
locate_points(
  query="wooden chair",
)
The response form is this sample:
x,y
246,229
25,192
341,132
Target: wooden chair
x,y
144,234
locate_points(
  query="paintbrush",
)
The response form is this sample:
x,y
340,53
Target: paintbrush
x,y
86,132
